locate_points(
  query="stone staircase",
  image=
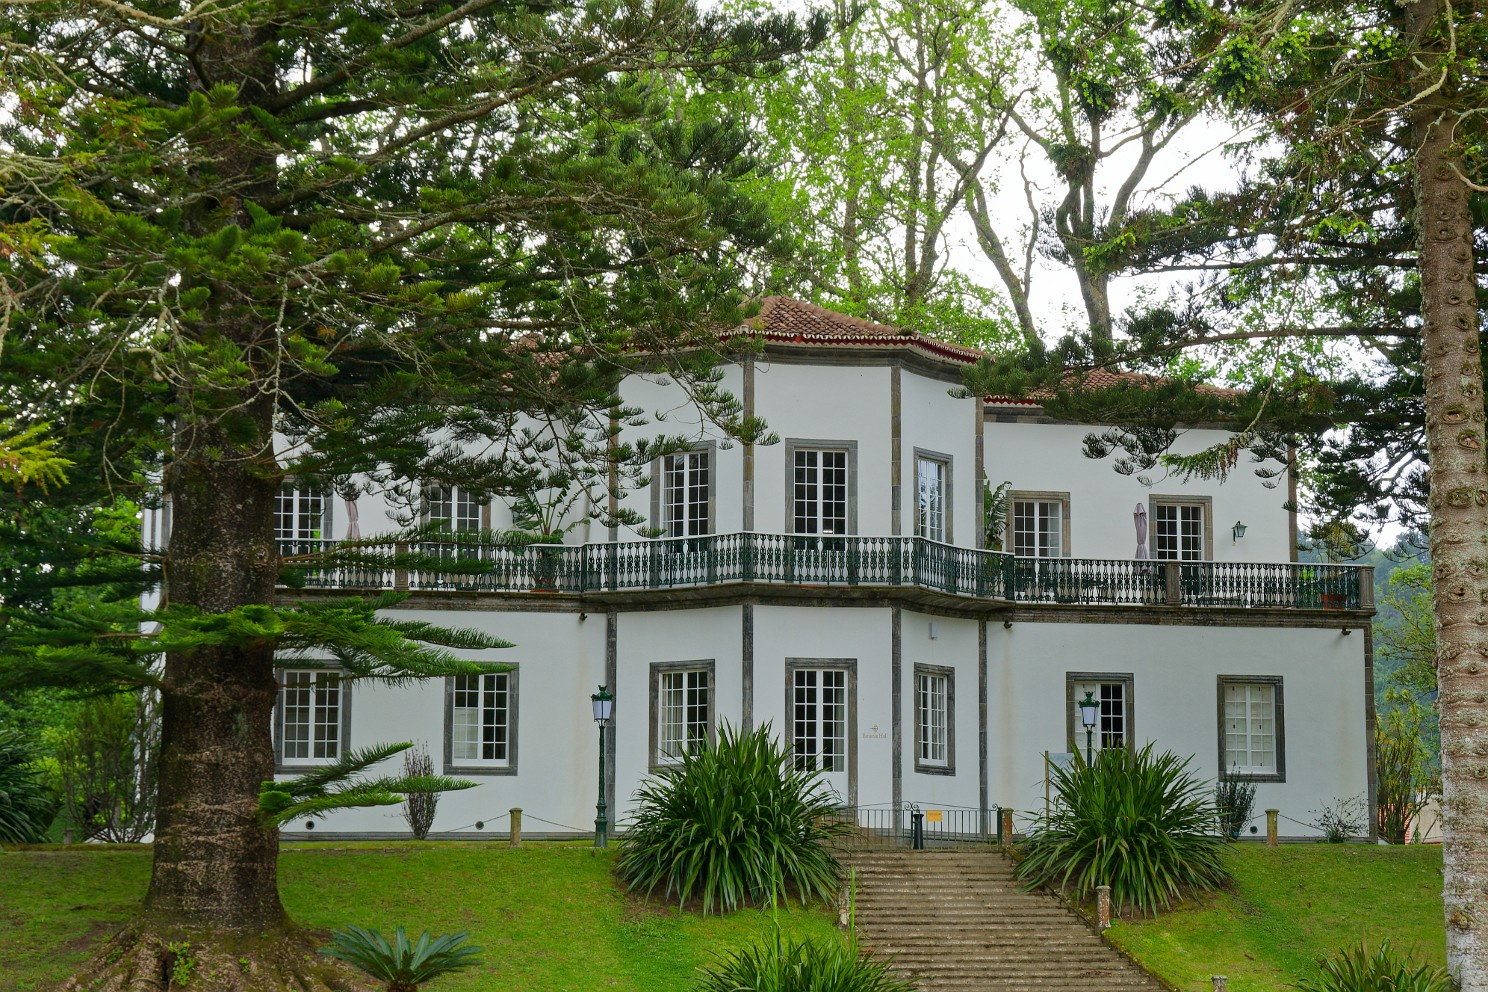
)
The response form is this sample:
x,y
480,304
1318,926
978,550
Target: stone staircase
x,y
957,921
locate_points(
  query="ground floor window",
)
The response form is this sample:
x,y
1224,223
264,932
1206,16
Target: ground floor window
x,y
313,715
934,690
1251,728
1113,725
480,723
681,709
819,719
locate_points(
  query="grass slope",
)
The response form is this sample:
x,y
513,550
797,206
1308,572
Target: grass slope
x,y
550,917
1290,906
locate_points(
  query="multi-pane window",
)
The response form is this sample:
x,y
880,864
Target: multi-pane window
x,y
310,710
685,491
819,718
1112,728
481,719
930,498
684,702
932,719
819,491
1251,742
451,506
1038,528
1178,531
299,515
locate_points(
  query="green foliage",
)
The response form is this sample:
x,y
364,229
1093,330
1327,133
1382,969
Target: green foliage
x,y
419,808
108,763
821,964
1234,798
1404,777
403,964
26,805
1134,820
1409,638
1385,970
29,458
994,514
341,785
1340,819
734,823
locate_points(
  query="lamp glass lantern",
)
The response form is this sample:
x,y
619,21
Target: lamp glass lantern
x,y
1238,530
1089,717
604,706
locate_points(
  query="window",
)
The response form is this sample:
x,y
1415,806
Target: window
x,y
681,709
1039,524
820,489
1180,529
1113,727
300,515
313,717
1251,729
686,490
932,496
480,723
452,506
819,718
934,719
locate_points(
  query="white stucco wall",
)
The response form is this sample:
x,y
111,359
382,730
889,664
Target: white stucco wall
x,y
954,646
933,420
1049,458
1175,672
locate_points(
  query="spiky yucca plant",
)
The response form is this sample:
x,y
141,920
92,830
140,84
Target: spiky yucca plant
x,y
26,807
824,964
734,823
1386,970
1134,820
402,964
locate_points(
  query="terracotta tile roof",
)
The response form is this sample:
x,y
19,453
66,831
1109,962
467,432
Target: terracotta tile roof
x,y
783,320
1106,379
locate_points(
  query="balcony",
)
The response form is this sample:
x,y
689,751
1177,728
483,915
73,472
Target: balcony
x,y
836,562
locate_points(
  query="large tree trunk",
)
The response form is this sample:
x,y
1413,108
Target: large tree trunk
x,y
1459,522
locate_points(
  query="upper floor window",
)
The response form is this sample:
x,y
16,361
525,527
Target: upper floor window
x,y
481,722
686,494
1180,529
453,507
313,714
819,494
1251,727
932,495
1039,524
300,514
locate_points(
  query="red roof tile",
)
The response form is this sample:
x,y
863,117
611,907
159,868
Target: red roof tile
x,y
783,320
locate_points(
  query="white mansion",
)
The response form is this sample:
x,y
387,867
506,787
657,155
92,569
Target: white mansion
x,y
835,585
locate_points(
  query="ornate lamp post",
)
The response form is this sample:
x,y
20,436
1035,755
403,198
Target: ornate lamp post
x,y
1089,715
604,708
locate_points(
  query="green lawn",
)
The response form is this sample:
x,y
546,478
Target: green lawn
x,y
549,916
1291,905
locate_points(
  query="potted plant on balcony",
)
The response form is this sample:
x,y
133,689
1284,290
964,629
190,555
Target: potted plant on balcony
x,y
541,521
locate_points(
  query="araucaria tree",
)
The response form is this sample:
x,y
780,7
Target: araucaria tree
x,y
344,243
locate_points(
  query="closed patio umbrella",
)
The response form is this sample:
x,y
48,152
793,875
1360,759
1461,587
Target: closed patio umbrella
x,y
1140,516
353,526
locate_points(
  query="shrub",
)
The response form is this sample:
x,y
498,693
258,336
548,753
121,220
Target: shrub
x,y
1341,819
735,822
1386,970
419,807
828,964
402,965
1402,766
107,763
1235,800
1138,822
26,805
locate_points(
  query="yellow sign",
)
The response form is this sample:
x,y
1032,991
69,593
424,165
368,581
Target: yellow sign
x,y
932,816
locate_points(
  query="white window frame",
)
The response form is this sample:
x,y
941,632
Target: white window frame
x,y
933,496
301,515
686,507
1192,538
1113,690
689,685
806,501
456,506
935,719
327,706
1243,702
495,690
1042,508
816,692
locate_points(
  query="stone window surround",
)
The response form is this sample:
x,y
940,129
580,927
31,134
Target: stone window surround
x,y
850,665
1074,730
658,484
792,444
513,710
423,504
947,499
949,674
654,760
327,502
1015,496
306,764
1278,705
1206,502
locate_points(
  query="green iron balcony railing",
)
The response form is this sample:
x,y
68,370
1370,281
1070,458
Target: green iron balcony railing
x,y
812,560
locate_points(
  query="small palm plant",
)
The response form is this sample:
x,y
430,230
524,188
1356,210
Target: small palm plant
x,y
1386,970
403,964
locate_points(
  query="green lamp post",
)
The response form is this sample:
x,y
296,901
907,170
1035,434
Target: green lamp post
x,y
1089,715
604,709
